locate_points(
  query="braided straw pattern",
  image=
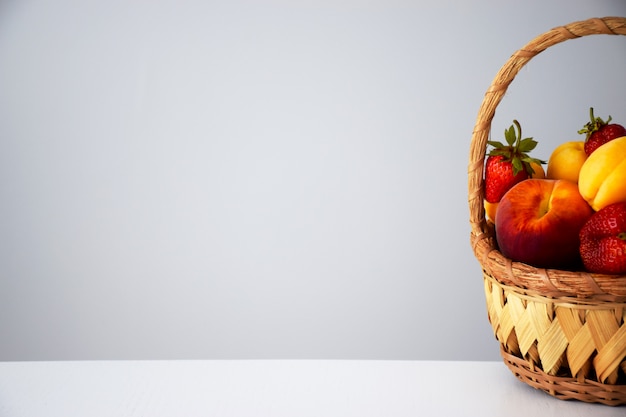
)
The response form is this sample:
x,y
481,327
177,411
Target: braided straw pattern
x,y
559,345
563,332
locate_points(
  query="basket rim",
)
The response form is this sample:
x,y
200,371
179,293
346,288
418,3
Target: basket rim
x,y
576,284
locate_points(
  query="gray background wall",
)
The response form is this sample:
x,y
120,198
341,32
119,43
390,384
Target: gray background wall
x,y
264,179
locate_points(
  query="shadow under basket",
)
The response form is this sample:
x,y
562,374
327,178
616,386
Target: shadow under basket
x,y
562,332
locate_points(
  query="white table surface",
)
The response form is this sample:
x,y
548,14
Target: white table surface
x,y
275,388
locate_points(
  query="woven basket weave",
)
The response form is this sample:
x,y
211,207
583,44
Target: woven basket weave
x,y
562,332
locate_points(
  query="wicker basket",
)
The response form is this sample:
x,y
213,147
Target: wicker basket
x,y
562,332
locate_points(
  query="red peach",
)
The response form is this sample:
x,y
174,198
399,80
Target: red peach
x,y
538,222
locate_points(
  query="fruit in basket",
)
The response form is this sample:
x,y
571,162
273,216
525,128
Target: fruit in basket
x,y
566,160
602,179
603,240
509,164
538,222
598,132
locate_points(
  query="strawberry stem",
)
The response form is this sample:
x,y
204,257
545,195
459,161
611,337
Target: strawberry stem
x,y
595,124
519,132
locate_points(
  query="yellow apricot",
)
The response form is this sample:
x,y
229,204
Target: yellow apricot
x,y
538,171
566,161
490,210
602,179
613,188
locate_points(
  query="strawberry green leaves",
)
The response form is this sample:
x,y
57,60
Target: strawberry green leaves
x,y
507,164
517,149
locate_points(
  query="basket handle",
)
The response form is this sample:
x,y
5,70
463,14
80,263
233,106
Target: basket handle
x,y
495,92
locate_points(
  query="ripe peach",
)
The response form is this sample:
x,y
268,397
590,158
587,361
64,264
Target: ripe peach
x,y
538,221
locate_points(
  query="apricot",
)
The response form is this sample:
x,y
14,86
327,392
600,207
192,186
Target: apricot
x,y
538,171
602,178
490,210
566,160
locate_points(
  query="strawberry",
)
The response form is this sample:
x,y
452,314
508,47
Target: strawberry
x,y
598,132
508,164
603,240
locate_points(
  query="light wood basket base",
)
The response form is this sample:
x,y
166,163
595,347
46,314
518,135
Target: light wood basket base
x,y
569,350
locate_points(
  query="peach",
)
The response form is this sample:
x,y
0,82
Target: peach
x,y
538,221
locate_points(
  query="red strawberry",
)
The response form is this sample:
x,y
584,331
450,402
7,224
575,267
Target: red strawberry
x,y
508,164
598,132
603,240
